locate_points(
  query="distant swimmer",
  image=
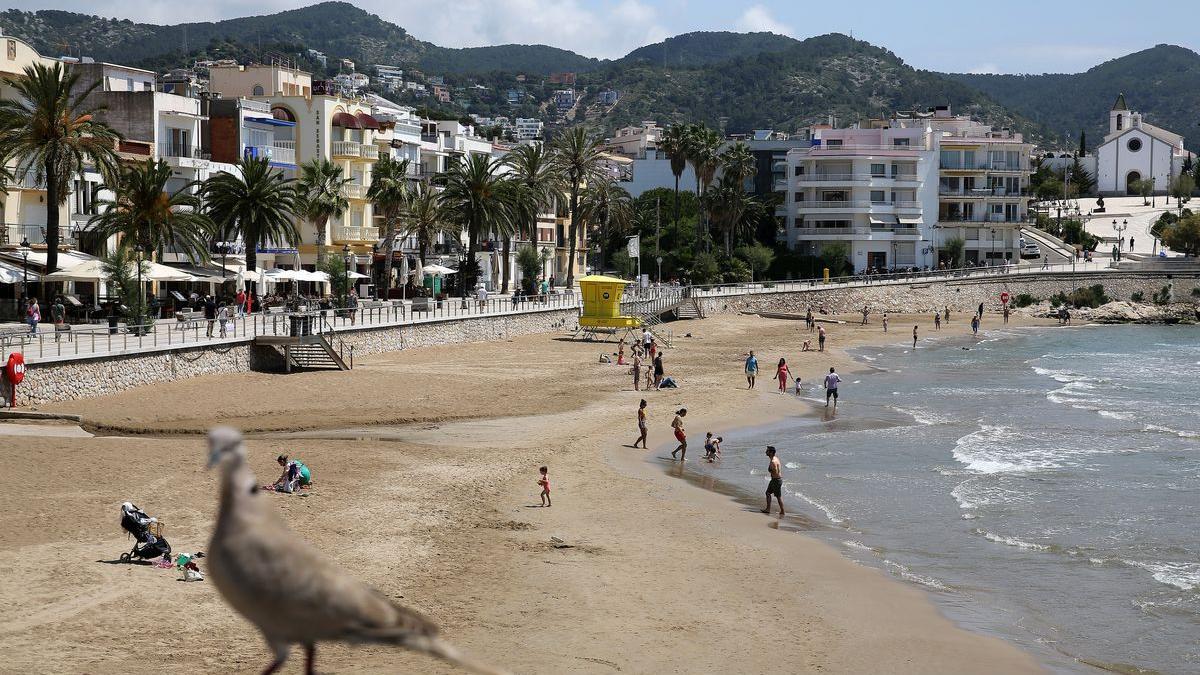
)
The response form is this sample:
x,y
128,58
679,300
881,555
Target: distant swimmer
x,y
775,486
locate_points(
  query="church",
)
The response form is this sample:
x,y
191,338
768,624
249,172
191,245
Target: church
x,y
1136,150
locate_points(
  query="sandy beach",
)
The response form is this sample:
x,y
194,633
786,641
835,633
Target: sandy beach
x,y
426,467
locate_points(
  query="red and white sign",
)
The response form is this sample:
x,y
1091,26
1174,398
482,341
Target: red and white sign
x,y
1004,297
14,370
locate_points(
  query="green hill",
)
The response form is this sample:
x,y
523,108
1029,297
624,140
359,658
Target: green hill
x,y
788,89
703,48
1162,82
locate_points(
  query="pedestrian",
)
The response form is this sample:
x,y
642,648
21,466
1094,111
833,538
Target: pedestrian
x,y
621,352
975,325
1006,314
653,349
240,302
646,340
658,370
210,313
775,485
885,321
797,385
352,305
637,369
821,339
865,313
641,422
981,311
937,321
751,370
809,320
1131,244
914,337
680,434
58,314
33,315
832,380
947,315
222,317
544,483
782,372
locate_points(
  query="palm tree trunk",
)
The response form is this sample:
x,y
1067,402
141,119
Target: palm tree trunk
x,y
52,204
507,266
252,256
677,200
728,243
321,223
574,234
699,215
389,246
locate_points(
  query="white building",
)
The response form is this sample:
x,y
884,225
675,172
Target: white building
x,y
637,142
1136,150
527,129
895,192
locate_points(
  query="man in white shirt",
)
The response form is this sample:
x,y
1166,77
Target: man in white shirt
x,y
831,387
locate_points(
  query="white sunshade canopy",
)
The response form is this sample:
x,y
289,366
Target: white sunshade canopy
x,y
437,269
94,269
15,274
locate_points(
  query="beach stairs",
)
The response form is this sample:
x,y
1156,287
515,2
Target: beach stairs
x,y
689,309
307,352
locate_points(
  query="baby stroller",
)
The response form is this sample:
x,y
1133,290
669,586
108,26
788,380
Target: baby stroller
x,y
146,531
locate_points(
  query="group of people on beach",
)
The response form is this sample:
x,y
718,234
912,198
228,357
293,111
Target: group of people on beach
x,y
647,362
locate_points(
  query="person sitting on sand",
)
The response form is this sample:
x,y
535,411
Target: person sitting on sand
x,y
296,475
641,421
775,486
544,482
680,434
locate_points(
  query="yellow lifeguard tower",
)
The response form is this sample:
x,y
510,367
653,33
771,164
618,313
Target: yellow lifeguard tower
x,y
602,306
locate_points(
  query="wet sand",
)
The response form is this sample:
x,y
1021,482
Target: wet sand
x,y
649,573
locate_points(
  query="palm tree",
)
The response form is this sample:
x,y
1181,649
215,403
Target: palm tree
x,y
579,157
738,161
480,200
704,148
53,134
425,217
143,213
608,207
674,144
389,193
733,210
320,197
258,203
534,171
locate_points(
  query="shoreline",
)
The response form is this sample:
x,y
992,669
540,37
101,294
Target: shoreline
x,y
655,575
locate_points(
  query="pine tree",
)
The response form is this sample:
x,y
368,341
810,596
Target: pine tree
x,y
1082,144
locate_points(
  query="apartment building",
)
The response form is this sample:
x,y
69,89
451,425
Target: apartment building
x,y
895,191
243,128
527,129
636,141
275,79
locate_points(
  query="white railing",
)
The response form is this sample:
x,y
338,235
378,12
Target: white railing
x,y
368,151
860,147
354,191
848,204
356,233
345,149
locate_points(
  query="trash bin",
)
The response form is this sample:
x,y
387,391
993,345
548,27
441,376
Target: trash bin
x,y
300,325
112,324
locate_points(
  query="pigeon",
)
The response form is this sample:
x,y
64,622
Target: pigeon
x,y
290,591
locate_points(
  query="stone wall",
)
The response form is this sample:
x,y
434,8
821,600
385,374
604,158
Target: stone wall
x,y
101,376
961,295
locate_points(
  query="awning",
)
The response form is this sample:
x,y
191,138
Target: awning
x,y
15,274
879,221
909,220
271,121
346,121
366,121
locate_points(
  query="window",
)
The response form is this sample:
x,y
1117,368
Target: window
x,y
1013,160
799,170
969,159
129,84
951,159
833,196
798,197
1120,122
900,142
878,170
257,91
997,209
833,143
1134,144
878,197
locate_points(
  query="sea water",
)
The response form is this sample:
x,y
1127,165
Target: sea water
x,y
1044,485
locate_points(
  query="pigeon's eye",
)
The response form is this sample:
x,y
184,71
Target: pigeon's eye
x,y
253,489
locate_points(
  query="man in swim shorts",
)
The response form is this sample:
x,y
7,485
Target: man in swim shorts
x,y
775,486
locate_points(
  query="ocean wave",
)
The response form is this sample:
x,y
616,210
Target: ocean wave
x,y
1154,428
1184,576
858,545
924,416
1116,415
905,573
829,512
997,449
1011,541
792,465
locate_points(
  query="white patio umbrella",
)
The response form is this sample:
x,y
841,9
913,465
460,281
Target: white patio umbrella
x,y
437,270
94,269
356,275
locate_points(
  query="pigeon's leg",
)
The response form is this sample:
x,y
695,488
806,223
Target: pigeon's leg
x,y
281,650
310,658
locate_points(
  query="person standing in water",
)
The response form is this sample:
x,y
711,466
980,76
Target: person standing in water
x,y
775,486
782,372
885,321
751,370
641,421
914,337
680,435
937,321
831,387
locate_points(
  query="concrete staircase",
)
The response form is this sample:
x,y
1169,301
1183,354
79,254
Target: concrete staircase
x,y
307,352
689,309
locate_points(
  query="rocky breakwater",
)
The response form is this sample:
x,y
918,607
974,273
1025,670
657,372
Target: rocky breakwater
x,y
1123,311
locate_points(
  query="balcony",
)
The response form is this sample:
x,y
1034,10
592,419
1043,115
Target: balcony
x,y
281,152
981,193
850,232
847,205
368,151
354,191
346,149
983,166
14,233
860,149
355,234
169,149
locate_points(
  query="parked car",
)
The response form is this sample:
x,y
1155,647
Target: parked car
x,y
1031,250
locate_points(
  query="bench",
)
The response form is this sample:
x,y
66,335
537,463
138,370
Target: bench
x,y
185,320
422,304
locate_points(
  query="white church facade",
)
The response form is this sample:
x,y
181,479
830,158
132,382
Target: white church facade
x,y
1135,150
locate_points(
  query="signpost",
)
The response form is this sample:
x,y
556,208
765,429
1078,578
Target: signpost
x,y
14,372
1004,297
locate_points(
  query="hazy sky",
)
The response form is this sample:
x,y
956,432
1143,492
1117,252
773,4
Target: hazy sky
x,y
1018,36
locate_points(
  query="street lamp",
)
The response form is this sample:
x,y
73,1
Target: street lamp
x,y
347,260
1120,230
993,258
141,308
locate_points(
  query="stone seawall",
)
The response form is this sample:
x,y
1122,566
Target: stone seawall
x,y
962,295
101,376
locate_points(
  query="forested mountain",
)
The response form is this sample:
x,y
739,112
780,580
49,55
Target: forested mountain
x,y
706,47
1162,82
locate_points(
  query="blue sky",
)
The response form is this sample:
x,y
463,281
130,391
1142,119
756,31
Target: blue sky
x,y
1017,36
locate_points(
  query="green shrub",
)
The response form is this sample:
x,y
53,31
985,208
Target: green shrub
x,y
1137,296
1196,291
1164,296
1024,300
1092,296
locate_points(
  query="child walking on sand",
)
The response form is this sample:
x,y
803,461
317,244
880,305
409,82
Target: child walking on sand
x,y
544,482
641,420
680,434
